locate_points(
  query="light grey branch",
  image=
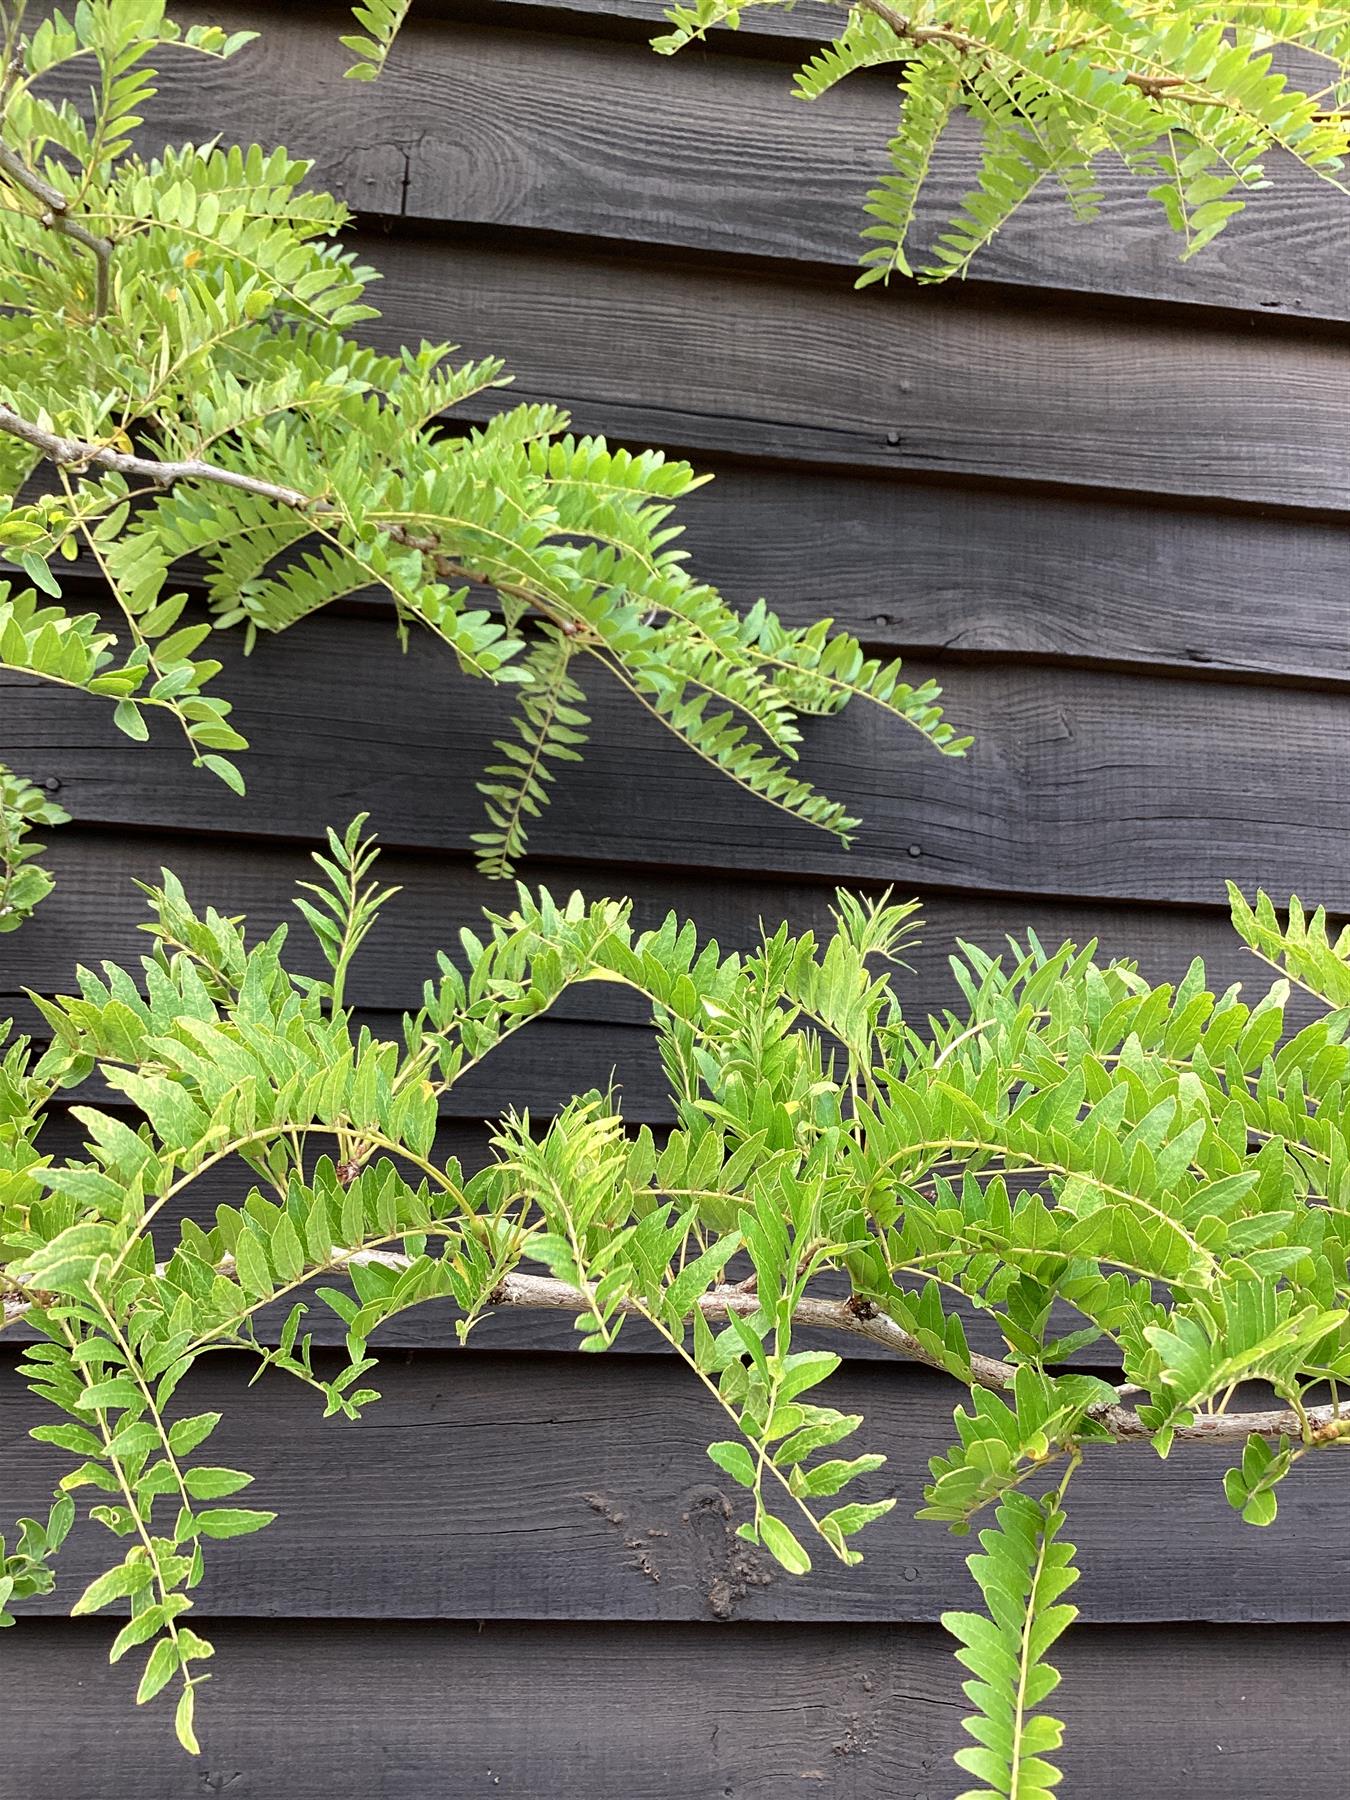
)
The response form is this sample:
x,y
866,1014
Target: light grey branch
x,y
1122,1422
73,453
544,1293
57,218
79,453
720,1303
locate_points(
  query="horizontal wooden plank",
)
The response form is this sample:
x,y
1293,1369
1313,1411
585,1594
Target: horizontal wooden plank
x,y
765,30
579,1488
679,1713
96,913
927,566
540,1069
791,366
796,366
541,130
1100,786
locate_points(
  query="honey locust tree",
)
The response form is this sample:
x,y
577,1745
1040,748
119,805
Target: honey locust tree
x,y
1083,1158
181,380
1178,1168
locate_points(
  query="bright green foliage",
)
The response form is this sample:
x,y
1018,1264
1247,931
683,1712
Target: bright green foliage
x,y
381,18
1021,1574
550,725
26,1570
1298,945
1001,1442
1164,1164
342,910
1245,1330
1190,96
174,333
1251,1487
22,883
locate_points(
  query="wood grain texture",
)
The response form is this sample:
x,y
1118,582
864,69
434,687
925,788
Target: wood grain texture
x,y
708,151
96,912
1080,784
579,1488
928,566
614,20
793,365
797,366
635,1713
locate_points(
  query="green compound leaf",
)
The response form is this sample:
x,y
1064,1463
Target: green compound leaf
x,y
1023,1570
1192,103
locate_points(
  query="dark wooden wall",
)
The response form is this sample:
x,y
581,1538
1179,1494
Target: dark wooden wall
x,y
1104,498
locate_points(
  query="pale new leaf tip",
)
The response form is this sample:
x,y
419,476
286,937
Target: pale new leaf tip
x,y
1154,1173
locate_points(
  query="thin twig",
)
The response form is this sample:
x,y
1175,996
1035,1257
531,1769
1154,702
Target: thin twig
x,y
76,453
920,34
57,218
81,453
1172,87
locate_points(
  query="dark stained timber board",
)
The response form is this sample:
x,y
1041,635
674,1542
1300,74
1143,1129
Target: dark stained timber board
x,y
920,566
791,366
577,1712
578,1487
1080,783
96,913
